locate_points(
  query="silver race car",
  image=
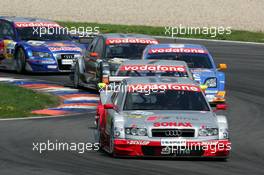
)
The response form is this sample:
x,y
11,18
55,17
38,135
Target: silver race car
x,y
161,116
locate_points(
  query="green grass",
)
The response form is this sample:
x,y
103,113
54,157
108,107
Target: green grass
x,y
19,102
236,35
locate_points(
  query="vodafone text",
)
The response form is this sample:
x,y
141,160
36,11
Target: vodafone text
x,y
147,89
130,41
155,68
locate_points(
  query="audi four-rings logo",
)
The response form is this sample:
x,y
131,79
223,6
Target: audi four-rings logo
x,y
175,133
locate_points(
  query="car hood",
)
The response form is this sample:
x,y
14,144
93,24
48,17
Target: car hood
x,y
114,64
170,119
55,46
201,75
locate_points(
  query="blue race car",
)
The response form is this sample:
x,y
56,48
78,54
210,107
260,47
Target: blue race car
x,y
200,62
36,45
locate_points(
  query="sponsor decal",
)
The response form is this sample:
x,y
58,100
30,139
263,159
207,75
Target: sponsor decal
x,y
48,61
60,44
56,49
133,126
137,142
52,66
8,48
152,118
67,62
135,116
152,68
181,87
200,70
177,50
141,113
173,142
212,142
130,41
197,77
174,124
36,43
36,24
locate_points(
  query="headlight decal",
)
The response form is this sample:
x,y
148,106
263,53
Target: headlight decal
x,y
208,132
41,54
136,131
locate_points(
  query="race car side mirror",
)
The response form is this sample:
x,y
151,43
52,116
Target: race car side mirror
x,y
221,107
222,66
109,106
94,54
203,87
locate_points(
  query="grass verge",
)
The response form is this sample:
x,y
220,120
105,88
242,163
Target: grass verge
x,y
19,102
236,35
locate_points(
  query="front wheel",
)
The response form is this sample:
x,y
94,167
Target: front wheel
x,y
20,61
111,143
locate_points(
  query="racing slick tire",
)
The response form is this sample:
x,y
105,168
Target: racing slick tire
x,y
20,59
76,78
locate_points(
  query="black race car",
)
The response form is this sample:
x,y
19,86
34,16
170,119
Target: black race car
x,y
105,54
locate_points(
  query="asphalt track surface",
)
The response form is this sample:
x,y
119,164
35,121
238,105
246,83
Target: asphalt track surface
x,y
245,89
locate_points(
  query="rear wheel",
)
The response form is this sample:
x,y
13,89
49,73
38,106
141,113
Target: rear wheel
x,y
20,61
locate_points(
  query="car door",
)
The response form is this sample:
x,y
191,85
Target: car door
x,y
92,62
7,43
117,99
88,70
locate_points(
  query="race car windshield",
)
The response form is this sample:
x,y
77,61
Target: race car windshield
x,y
134,73
130,51
193,60
166,100
43,34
